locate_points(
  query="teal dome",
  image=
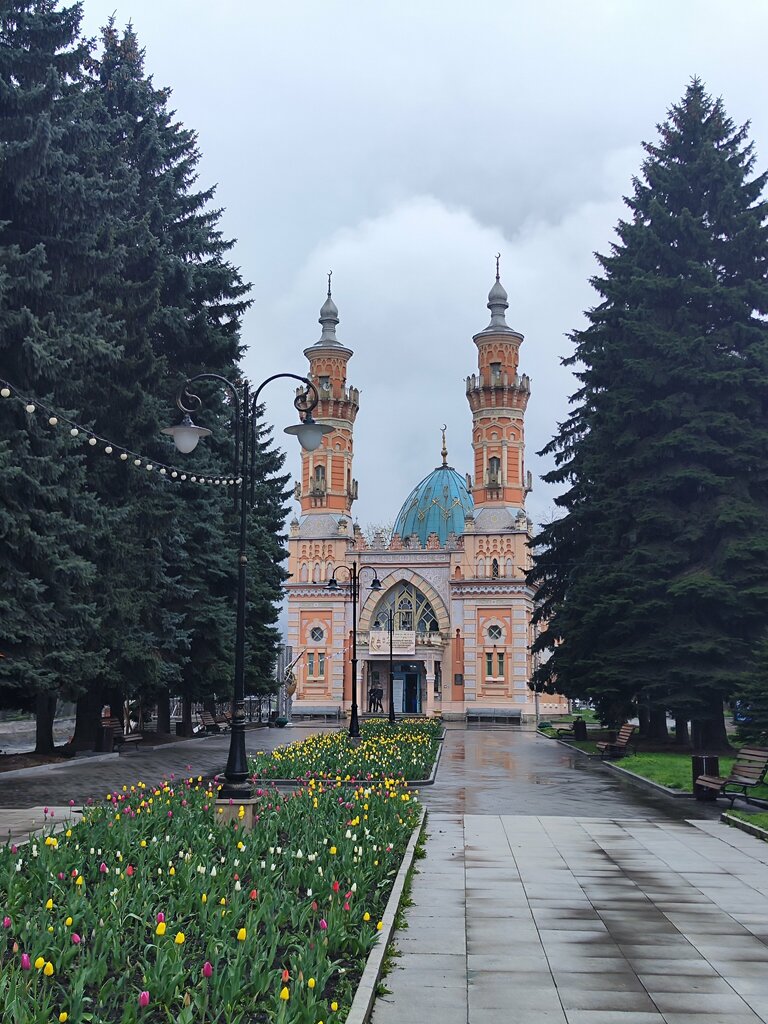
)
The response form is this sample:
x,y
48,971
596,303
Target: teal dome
x,y
437,505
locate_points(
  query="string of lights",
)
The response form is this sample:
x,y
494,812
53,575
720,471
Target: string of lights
x,y
77,431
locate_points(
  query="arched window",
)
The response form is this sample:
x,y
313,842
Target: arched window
x,y
329,570
508,567
481,567
494,471
495,568
318,480
304,572
410,607
316,573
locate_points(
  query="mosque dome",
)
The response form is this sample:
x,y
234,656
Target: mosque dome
x,y
436,505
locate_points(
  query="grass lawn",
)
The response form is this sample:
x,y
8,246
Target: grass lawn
x,y
674,770
760,819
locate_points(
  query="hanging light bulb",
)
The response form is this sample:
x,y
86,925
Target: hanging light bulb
x,y
74,431
52,420
5,392
92,441
108,449
29,407
124,456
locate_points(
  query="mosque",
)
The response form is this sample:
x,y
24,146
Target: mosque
x,y
444,595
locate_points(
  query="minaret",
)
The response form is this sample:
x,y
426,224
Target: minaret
x,y
498,396
326,473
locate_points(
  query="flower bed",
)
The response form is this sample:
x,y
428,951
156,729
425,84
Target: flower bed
x,y
147,910
406,750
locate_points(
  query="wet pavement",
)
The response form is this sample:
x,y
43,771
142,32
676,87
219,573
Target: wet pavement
x,y
555,892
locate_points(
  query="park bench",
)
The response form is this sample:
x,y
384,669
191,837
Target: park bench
x,y
224,720
748,770
494,715
618,747
208,722
119,737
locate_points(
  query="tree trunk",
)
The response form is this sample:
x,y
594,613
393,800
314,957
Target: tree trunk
x,y
657,723
708,732
164,712
643,719
88,719
45,711
682,738
186,717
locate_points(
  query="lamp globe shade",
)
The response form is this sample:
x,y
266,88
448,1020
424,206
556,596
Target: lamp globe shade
x,y
309,433
186,435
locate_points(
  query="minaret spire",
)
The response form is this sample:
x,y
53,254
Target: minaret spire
x,y
444,450
497,303
329,317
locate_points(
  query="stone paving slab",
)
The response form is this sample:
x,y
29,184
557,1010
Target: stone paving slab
x,y
585,921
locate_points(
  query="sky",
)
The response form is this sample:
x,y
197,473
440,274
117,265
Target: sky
x,y
402,144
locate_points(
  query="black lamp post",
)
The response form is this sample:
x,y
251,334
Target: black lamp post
x,y
354,589
391,627
185,436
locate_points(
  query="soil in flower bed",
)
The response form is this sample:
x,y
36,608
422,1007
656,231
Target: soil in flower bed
x,y
13,762
404,751
149,909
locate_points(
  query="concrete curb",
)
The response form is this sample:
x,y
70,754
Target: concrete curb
x,y
648,783
43,769
412,783
365,996
744,826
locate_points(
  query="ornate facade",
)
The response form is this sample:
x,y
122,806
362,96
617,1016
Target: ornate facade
x,y
452,574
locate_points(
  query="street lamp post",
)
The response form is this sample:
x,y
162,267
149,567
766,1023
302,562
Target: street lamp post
x,y
185,436
391,628
354,589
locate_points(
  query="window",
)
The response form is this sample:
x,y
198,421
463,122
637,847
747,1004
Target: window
x,y
316,633
488,665
318,480
325,383
500,663
318,664
494,471
495,568
495,373
494,632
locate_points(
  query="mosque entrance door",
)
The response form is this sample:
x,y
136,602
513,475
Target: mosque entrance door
x,y
406,678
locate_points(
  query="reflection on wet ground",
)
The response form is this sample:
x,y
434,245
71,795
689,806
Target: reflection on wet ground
x,y
509,771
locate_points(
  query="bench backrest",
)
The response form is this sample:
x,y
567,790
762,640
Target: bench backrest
x,y
207,718
625,735
751,763
112,723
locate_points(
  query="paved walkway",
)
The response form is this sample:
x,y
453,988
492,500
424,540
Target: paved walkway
x,y
575,898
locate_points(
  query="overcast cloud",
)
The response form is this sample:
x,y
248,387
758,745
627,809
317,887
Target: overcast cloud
x,y
402,144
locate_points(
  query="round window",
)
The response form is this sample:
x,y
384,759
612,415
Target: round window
x,y
316,634
494,632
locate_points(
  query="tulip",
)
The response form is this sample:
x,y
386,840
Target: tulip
x,y
284,993
334,1006
103,868
286,975
160,930
160,917
311,983
207,969
335,886
180,937
49,904
6,922
323,924
26,963
254,894
241,934
40,962
76,938
143,999
129,870
48,969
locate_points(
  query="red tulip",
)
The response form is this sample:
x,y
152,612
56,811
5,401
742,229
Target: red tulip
x,y
129,870
254,894
207,969
26,963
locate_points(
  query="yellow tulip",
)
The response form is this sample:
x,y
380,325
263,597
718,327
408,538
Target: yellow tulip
x,y
241,934
63,1016
179,940
160,930
48,969
311,983
284,993
68,921
334,1007
49,905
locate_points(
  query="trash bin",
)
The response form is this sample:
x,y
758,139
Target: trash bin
x,y
579,729
106,741
704,764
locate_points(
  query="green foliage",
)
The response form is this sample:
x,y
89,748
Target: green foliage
x,y
651,583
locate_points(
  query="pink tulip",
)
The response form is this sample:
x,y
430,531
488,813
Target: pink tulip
x,y
6,922
71,803
207,969
103,868
160,917
323,924
26,963
143,998
76,938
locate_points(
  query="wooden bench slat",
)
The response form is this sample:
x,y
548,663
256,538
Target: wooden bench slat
x,y
749,770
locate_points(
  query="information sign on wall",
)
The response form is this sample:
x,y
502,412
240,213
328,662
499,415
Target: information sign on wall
x,y
403,642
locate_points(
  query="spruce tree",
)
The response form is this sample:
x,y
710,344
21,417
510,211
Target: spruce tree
x,y
653,580
53,243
